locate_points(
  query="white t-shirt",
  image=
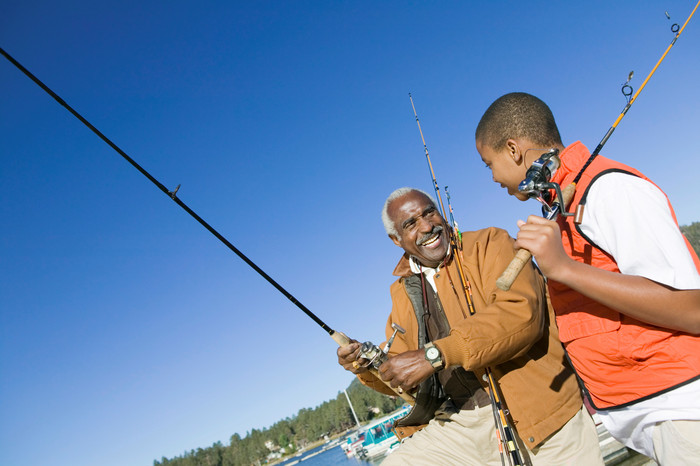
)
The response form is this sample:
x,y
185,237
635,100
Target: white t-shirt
x,y
629,218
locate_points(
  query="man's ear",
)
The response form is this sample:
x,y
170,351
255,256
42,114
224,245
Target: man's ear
x,y
395,240
514,151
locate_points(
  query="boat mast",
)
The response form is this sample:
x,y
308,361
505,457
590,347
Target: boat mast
x,y
351,408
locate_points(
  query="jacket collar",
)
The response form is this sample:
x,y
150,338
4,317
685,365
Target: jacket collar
x,y
403,268
572,159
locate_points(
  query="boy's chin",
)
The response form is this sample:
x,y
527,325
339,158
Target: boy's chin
x,y
520,196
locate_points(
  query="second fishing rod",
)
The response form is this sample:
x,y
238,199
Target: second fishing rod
x,y
537,184
505,432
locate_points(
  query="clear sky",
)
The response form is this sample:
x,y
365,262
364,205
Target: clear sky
x,y
127,331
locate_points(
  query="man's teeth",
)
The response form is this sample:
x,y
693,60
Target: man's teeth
x,y
431,241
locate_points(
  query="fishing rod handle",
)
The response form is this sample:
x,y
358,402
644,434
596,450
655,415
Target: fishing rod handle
x,y
343,340
522,257
516,265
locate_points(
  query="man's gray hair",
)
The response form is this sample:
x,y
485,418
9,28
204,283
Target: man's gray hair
x,y
388,222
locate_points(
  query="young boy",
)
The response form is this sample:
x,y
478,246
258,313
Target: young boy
x,y
625,283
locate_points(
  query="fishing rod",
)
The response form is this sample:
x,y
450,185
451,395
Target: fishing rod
x,y
505,432
338,337
536,183
466,286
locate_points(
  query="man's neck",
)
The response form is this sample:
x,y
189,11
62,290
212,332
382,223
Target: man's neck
x,y
418,267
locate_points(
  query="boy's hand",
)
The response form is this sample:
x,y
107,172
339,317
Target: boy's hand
x,y
542,238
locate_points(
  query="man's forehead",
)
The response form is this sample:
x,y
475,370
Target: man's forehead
x,y
413,196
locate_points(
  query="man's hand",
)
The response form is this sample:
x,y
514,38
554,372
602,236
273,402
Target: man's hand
x,y
406,370
542,238
347,356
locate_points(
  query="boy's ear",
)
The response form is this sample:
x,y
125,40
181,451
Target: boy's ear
x,y
514,151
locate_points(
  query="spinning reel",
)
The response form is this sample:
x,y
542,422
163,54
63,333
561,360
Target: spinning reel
x,y
537,184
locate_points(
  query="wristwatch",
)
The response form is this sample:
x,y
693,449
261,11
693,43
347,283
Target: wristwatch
x,y
433,356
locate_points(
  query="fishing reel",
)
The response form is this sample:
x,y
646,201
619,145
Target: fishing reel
x,y
375,355
537,184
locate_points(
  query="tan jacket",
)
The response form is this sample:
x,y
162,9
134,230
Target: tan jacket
x,y
513,332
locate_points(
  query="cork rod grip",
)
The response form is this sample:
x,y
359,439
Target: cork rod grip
x,y
511,272
343,340
522,257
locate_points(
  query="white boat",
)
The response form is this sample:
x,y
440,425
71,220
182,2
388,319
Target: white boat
x,y
353,443
379,437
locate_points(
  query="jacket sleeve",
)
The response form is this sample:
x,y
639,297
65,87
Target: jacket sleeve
x,y
506,323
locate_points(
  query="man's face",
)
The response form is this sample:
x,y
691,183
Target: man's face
x,y
507,166
421,227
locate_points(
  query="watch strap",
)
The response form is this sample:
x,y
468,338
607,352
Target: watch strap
x,y
437,362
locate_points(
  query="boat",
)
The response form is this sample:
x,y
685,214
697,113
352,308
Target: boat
x,y
379,437
353,443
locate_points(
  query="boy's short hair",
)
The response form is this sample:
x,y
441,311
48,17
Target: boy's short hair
x,y
517,115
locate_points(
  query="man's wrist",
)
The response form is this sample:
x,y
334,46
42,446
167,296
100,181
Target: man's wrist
x,y
434,356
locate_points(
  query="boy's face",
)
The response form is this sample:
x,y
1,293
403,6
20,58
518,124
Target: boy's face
x,y
507,166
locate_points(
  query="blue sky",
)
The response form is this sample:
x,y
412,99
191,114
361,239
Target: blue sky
x,y
127,331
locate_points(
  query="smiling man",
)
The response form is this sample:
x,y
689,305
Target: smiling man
x,y
445,349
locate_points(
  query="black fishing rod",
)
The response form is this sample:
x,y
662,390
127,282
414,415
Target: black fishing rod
x,y
537,178
171,194
338,337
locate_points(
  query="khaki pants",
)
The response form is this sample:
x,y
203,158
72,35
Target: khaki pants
x,y
468,438
677,443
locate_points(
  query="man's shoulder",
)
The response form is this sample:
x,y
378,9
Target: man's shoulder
x,y
397,289
487,244
489,234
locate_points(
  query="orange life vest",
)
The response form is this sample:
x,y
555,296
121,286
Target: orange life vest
x,y
620,359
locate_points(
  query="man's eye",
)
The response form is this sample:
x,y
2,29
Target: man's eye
x,y
487,166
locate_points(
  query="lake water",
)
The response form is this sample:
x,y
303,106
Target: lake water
x,y
331,457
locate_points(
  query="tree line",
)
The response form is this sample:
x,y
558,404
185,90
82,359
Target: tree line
x,y
290,435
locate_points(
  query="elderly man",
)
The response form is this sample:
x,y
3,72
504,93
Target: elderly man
x,y
446,349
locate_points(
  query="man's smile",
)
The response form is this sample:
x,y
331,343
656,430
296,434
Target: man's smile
x,y
429,240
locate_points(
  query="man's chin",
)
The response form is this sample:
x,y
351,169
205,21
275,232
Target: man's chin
x,y
434,257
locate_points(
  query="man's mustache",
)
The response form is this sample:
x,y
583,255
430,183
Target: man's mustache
x,y
437,229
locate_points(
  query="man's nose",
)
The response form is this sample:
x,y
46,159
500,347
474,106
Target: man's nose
x,y
424,226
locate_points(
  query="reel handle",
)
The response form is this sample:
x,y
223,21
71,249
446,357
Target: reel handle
x,y
522,257
342,340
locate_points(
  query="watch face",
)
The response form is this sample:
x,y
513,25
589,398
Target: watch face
x,y
432,353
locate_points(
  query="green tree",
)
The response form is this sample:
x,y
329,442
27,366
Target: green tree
x,y
309,425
